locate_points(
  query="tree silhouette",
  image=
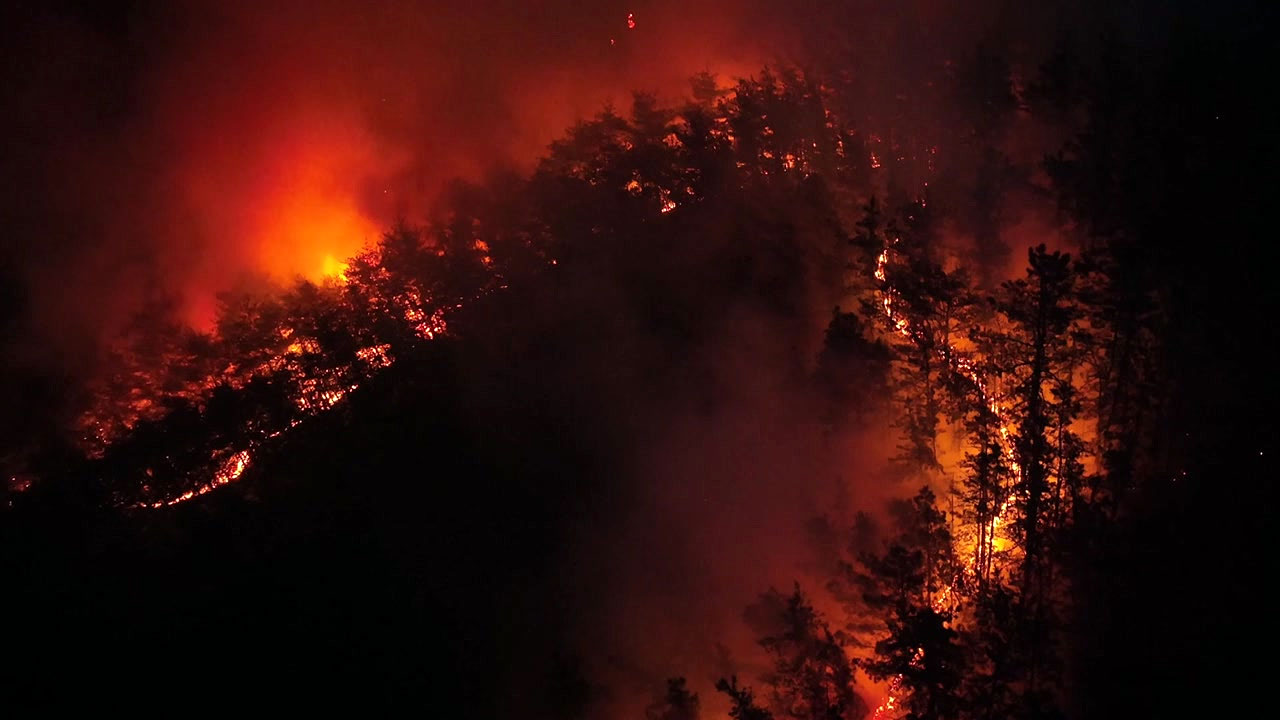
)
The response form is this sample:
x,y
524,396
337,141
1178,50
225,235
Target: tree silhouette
x,y
743,702
909,584
851,371
812,676
677,704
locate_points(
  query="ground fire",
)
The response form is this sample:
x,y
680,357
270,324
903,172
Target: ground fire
x,y
764,363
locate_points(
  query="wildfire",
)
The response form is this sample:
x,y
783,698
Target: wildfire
x,y
334,269
427,326
890,702
376,356
229,471
958,364
322,392
964,367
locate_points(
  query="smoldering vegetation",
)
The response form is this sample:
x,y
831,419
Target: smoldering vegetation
x,y
537,450
638,321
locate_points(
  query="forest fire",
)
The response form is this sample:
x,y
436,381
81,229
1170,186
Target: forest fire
x,y
963,367
334,269
986,540
316,392
308,223
228,472
401,351
365,284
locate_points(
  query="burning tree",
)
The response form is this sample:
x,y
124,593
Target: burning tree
x,y
656,221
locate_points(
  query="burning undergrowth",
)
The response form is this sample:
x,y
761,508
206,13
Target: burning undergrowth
x,y
580,416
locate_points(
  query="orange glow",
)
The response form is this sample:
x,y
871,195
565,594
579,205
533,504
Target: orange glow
x,y
318,394
334,269
229,471
310,229
960,365
284,198
890,704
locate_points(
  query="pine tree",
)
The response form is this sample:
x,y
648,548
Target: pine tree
x,y
812,676
922,306
678,703
1036,359
985,485
911,584
1031,355
743,701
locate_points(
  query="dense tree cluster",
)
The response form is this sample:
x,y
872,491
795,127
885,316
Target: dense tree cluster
x,y
1037,415
619,197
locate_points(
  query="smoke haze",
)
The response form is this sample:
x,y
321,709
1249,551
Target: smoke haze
x,y
173,150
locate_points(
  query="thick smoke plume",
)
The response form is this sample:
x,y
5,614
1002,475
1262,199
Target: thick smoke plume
x,y
175,150
166,152
180,148
160,153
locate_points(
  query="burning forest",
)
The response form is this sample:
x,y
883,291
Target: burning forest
x,y
813,363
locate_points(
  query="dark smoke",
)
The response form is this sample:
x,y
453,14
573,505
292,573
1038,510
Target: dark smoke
x,y
168,151
153,148
152,141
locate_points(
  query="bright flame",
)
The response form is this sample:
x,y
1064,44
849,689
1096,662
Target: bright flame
x,y
304,215
229,471
334,269
318,394
310,233
890,703
962,366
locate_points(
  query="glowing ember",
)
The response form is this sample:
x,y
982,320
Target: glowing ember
x,y
885,708
229,471
318,393
962,366
427,326
375,356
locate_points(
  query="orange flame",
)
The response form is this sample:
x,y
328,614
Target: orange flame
x,y
963,366
229,471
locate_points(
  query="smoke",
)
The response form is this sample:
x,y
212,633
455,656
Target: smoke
x,y
180,149
187,144
184,146
158,153
711,511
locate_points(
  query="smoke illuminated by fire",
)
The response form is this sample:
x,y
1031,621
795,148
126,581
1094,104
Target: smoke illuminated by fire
x,y
314,190
964,367
316,393
309,228
319,222
273,139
